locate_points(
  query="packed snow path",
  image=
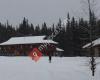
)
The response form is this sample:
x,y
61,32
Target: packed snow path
x,y
67,68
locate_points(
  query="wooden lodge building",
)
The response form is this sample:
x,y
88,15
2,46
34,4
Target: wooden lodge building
x,y
95,46
22,46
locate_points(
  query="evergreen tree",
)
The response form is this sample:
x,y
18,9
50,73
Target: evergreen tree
x,y
44,29
37,30
24,27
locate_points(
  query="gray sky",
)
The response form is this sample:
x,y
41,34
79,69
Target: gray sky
x,y
37,11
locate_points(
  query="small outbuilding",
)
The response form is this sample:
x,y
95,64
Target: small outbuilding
x,y
95,46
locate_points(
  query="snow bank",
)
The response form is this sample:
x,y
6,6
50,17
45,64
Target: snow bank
x,y
23,68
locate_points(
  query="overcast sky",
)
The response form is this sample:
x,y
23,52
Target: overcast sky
x,y
37,11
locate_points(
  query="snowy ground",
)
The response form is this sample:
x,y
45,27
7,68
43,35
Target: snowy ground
x,y
23,68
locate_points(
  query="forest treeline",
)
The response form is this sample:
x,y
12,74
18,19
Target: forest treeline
x,y
71,39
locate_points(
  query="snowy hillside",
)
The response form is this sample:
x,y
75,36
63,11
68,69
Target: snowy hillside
x,y
23,68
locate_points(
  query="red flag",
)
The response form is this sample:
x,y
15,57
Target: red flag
x,y
35,54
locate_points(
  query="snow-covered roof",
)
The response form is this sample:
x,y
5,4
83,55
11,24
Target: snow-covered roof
x,y
58,49
94,43
27,40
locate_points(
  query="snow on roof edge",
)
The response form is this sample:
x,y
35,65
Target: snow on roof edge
x,y
95,43
58,49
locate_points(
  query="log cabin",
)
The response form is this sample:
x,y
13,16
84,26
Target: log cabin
x,y
22,46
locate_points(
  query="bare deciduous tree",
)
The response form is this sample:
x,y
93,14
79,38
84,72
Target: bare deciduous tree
x,y
90,4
